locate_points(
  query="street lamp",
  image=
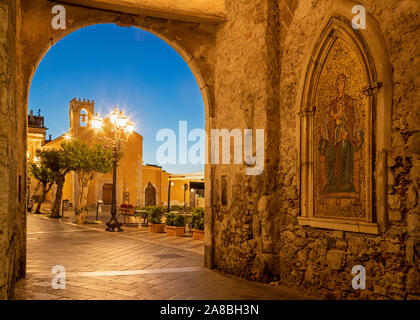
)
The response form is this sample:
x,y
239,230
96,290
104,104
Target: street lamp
x,y
193,195
185,191
121,128
97,122
171,184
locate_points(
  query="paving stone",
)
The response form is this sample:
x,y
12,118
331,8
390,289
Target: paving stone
x,y
57,245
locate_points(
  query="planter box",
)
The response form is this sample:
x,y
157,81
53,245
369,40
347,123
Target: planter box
x,y
131,220
175,231
157,228
198,234
126,211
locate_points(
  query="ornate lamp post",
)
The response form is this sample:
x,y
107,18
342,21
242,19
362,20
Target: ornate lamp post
x,y
171,184
185,191
121,128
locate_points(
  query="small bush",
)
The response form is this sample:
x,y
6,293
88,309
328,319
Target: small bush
x,y
197,217
155,214
177,208
141,212
175,220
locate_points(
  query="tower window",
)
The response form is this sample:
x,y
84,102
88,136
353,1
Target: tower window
x,y
83,118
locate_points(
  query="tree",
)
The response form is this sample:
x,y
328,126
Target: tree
x,y
87,161
60,164
45,178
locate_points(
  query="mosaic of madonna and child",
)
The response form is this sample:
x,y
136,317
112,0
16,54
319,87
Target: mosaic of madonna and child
x,y
340,137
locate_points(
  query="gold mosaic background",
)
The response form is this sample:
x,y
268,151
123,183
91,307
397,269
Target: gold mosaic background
x,y
341,59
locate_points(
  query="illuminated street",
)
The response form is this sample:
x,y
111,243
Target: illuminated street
x,y
138,265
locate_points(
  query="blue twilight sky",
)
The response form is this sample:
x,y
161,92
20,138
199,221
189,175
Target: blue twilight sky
x,y
117,66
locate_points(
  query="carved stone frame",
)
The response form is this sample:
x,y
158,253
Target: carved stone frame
x,y
379,120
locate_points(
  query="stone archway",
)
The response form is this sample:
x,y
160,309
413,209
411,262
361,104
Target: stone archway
x,y
192,40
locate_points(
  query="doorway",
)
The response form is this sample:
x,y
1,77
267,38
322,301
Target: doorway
x,y
107,193
150,195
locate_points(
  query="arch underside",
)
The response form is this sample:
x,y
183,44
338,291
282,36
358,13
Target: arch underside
x,y
202,11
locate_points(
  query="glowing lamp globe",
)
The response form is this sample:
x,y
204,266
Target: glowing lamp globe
x,y
130,127
122,121
114,116
97,122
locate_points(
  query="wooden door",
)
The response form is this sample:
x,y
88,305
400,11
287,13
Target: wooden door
x,y
107,193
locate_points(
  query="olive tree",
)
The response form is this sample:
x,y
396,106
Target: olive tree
x,y
46,180
59,163
86,162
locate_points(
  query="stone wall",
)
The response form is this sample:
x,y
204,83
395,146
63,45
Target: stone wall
x,y
21,50
242,91
251,70
257,235
12,173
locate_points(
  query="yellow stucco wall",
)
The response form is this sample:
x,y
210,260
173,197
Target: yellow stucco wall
x,y
177,193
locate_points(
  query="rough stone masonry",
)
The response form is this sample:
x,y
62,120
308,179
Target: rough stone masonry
x,y
256,70
258,236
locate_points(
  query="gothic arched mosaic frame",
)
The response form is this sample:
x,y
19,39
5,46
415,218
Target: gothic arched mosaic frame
x,y
336,132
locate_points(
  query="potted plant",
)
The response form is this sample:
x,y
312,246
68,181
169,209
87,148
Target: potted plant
x,y
176,208
175,224
155,215
141,213
197,219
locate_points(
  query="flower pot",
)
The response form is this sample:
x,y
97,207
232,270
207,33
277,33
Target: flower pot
x,y
131,220
126,211
198,234
157,228
175,231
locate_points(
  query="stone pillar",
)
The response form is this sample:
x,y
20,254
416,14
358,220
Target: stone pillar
x,y
306,160
12,160
381,174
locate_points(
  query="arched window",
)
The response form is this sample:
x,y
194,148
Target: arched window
x,y
150,195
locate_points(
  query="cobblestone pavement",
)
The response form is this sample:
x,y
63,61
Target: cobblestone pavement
x,y
128,265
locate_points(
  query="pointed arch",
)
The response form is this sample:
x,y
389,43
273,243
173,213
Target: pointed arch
x,y
83,117
150,195
326,179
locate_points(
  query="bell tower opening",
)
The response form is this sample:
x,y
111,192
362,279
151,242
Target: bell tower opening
x,y
83,118
81,113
